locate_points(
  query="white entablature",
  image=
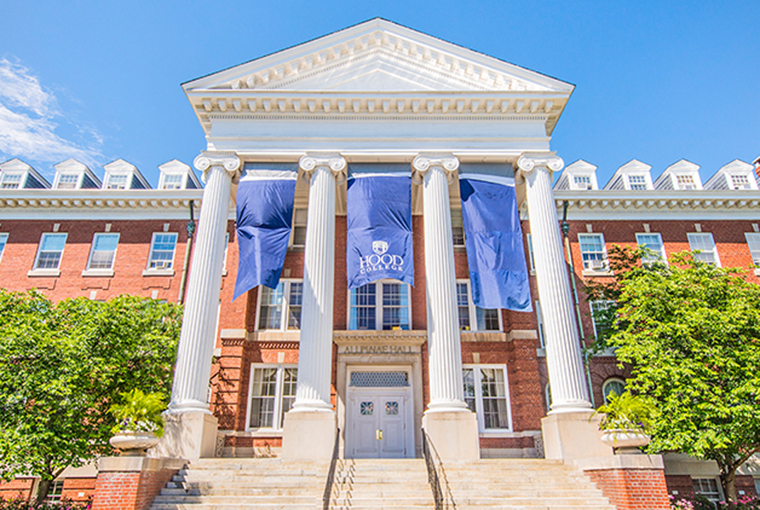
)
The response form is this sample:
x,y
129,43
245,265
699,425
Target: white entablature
x,y
373,73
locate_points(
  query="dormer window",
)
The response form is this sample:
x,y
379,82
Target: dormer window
x,y
68,181
11,181
637,182
582,181
686,181
173,181
740,181
116,181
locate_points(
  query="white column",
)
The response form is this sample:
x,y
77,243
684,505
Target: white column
x,y
445,355
563,348
315,348
198,336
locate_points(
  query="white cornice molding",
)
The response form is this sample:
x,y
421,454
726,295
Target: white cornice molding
x,y
95,199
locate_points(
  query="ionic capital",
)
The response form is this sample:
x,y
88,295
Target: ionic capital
x,y
423,163
530,160
227,160
334,162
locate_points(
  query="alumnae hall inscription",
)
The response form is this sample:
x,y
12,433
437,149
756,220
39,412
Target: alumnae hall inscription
x,y
378,349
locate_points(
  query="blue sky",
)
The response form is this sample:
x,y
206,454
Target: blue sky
x,y
657,81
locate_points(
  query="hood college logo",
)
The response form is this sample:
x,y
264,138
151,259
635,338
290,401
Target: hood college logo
x,y
380,259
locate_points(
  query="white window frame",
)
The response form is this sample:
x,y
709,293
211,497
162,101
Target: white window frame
x,y
379,305
631,184
48,271
718,495
175,186
540,325
685,182
609,382
298,224
741,186
477,381
161,270
5,180
457,221
61,177
474,312
603,267
109,184
754,238
3,243
588,183
531,256
663,257
226,249
704,235
278,416
90,271
285,312
599,303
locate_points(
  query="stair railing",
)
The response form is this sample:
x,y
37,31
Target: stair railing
x,y
327,496
439,484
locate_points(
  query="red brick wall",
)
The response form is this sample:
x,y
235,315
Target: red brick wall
x,y
632,489
17,488
129,491
746,483
73,487
680,486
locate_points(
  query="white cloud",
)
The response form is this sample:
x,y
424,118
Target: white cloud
x,y
30,118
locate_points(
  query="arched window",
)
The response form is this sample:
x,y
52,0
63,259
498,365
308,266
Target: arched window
x,y
612,385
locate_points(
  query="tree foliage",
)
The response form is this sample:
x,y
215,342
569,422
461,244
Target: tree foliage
x,y
691,332
62,367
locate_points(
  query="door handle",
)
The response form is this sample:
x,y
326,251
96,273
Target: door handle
x,y
379,435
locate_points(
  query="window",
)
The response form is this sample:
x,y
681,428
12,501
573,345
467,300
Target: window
x,y
280,308
3,242
56,491
753,240
705,244
686,181
117,181
226,249
457,227
582,181
68,181
381,305
173,181
592,252
272,390
298,238
474,318
485,392
652,242
637,182
11,181
530,254
540,320
599,317
612,385
707,487
103,251
162,251
740,181
51,249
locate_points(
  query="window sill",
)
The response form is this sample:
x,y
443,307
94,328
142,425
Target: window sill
x,y
158,272
757,272
497,433
262,433
102,273
44,272
593,272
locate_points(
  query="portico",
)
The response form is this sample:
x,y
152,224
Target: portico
x,y
381,94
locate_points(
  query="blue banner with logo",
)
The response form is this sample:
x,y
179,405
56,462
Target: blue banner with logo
x,y
379,209
264,220
493,238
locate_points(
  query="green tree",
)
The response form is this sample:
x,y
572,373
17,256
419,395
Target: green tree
x,y
691,332
62,367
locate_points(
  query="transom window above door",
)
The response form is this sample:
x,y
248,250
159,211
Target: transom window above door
x,y
382,305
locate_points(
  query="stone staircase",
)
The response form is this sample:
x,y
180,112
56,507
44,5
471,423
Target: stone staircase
x,y
506,484
519,484
241,484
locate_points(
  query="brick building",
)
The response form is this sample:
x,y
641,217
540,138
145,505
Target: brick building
x,y
325,107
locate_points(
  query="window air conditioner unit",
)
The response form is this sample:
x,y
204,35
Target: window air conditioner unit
x,y
162,264
598,265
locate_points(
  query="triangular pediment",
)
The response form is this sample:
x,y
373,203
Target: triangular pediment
x,y
378,56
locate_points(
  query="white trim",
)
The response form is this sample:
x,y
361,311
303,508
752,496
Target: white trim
x,y
610,380
495,179
604,269
380,174
269,175
92,250
98,272
285,307
43,272
473,310
663,253
156,270
477,382
277,397
48,271
4,236
704,235
379,304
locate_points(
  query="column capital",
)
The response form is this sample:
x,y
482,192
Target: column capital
x,y
227,160
530,160
424,162
334,162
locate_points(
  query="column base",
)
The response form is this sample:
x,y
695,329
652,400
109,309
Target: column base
x,y
187,435
309,436
573,435
454,435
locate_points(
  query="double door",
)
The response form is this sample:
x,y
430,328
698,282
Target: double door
x,y
379,423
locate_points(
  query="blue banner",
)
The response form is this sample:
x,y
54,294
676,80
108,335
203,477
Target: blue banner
x,y
379,242
264,220
493,237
